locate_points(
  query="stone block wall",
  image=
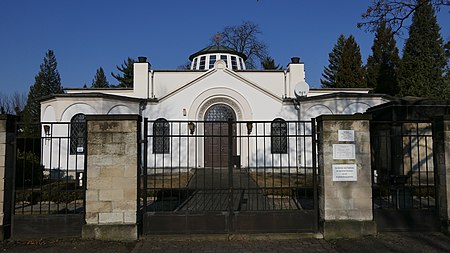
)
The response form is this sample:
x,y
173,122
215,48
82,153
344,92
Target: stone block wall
x,y
345,199
7,156
112,160
442,157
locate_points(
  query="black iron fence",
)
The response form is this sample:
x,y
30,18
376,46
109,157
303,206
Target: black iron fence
x,y
404,177
49,178
230,168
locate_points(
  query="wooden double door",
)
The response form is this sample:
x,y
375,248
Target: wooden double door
x,y
220,135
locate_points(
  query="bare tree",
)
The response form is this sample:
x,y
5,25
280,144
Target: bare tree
x,y
244,39
4,104
12,104
394,13
18,101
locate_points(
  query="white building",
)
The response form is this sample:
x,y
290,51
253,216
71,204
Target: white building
x,y
217,86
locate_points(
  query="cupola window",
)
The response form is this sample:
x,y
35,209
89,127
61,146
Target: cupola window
x,y
202,62
233,62
224,58
194,64
212,60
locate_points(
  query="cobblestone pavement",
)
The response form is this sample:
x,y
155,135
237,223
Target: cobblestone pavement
x,y
242,246
385,242
396,242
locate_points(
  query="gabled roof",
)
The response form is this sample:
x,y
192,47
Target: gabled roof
x,y
217,49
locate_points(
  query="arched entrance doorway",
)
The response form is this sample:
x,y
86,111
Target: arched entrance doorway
x,y
217,141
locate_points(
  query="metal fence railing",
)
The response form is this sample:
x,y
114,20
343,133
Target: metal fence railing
x,y
402,163
234,166
49,169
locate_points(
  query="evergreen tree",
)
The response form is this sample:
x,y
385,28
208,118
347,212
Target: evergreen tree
x,y
334,58
421,69
382,65
47,82
350,73
126,79
269,63
100,79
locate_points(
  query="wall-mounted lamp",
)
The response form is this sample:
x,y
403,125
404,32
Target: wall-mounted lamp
x,y
249,127
184,112
47,131
191,127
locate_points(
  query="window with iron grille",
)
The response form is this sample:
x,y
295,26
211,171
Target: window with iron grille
x,y
278,129
161,139
77,133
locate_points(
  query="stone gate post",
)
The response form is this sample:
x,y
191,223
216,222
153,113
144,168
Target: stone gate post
x,y
345,176
7,156
112,162
441,153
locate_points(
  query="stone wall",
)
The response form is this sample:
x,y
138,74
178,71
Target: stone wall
x,y
345,178
442,156
112,160
7,156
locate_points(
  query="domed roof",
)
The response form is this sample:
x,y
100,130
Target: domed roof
x,y
217,49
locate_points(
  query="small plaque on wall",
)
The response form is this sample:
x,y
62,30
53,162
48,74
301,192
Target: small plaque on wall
x,y
346,135
343,151
344,172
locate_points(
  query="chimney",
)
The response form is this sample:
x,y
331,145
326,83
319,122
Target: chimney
x,y
296,73
141,77
142,59
295,60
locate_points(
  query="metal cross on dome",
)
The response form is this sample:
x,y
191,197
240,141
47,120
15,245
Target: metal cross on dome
x,y
218,38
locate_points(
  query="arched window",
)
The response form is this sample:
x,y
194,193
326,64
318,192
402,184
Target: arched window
x,y
219,112
278,129
77,133
161,138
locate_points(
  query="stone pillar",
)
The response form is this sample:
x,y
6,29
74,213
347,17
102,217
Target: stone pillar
x,y
345,176
441,150
112,162
7,156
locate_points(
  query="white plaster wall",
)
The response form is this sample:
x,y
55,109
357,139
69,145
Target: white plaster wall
x,y
219,86
166,82
273,81
121,109
337,105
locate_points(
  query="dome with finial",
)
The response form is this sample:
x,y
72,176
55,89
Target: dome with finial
x,y
205,58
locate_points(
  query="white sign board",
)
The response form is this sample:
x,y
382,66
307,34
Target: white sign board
x,y
344,172
346,135
343,151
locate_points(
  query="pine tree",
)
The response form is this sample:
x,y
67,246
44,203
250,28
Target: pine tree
x,y
382,65
47,82
126,81
269,63
334,58
100,79
350,73
421,69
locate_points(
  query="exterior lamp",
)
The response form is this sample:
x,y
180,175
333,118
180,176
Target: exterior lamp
x,y
47,132
249,127
191,127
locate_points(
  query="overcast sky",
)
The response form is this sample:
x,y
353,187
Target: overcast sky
x,y
88,34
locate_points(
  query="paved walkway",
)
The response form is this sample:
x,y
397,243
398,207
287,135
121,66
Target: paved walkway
x,y
385,243
211,191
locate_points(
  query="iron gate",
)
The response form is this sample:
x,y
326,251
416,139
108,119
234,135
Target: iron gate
x,y
404,178
49,181
266,184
